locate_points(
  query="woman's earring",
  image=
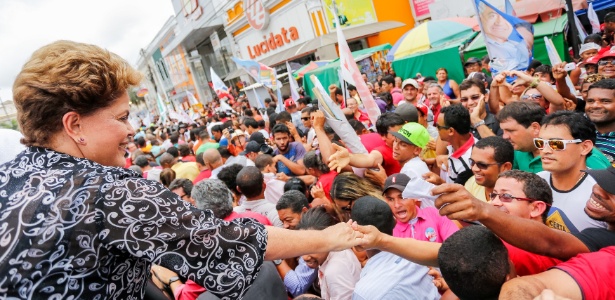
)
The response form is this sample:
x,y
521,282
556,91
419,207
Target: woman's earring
x,y
81,140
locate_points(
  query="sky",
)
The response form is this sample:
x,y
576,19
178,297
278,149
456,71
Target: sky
x,y
121,26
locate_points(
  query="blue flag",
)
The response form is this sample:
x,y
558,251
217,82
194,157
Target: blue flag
x,y
509,40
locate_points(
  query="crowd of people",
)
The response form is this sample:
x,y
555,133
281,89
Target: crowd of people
x,y
483,189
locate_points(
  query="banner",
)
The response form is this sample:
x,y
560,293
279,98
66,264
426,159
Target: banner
x,y
351,74
222,91
352,12
336,120
293,84
555,59
260,73
509,40
509,9
593,18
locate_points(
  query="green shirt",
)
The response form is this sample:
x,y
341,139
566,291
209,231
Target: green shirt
x,y
525,161
206,146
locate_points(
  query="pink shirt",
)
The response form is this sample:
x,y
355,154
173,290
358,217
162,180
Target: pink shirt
x,y
428,226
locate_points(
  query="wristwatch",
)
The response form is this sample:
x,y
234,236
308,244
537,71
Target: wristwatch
x,y
172,279
277,262
475,125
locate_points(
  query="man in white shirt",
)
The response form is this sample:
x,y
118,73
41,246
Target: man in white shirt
x,y
251,184
565,140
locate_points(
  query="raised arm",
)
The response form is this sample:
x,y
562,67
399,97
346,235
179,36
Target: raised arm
x,y
342,158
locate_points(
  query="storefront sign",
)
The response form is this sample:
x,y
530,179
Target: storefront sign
x,y
354,12
256,13
421,8
273,42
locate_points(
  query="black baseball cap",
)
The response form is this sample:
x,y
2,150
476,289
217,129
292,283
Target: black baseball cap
x,y
257,137
604,178
471,60
251,147
397,181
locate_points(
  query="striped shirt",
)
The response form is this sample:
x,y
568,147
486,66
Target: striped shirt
x,y
299,280
606,144
388,276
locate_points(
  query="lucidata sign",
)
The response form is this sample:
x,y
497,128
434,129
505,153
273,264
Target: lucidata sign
x,y
286,29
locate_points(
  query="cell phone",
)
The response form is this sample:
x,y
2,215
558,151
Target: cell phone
x,y
570,66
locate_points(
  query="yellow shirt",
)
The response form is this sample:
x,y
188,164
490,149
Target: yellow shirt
x,y
188,170
476,190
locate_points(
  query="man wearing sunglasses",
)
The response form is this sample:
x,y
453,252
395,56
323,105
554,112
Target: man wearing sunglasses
x,y
521,122
474,98
490,157
565,140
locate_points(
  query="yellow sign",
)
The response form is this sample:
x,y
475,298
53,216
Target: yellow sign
x,y
351,12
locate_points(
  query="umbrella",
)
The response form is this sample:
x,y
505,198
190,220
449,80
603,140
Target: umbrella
x,y
470,22
429,35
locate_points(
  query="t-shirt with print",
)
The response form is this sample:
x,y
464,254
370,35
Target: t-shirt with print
x,y
459,162
295,152
567,213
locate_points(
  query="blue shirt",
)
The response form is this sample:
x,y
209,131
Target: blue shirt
x,y
295,153
300,280
388,276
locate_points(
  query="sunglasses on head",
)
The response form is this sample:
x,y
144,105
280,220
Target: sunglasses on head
x,y
509,198
480,165
557,145
532,96
473,97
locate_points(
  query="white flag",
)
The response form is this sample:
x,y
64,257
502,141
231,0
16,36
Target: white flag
x,y
191,99
351,74
555,59
593,18
293,84
580,28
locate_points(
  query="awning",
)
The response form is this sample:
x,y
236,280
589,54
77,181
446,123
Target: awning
x,y
238,72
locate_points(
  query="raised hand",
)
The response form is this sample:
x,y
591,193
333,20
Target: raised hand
x,y
340,159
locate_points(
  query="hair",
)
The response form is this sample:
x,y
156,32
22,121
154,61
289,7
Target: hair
x,y
185,184
534,64
534,187
141,142
250,181
457,117
166,159
167,176
351,87
503,150
545,69
469,83
580,126
184,150
314,160
387,120
474,262
141,161
373,211
295,184
610,17
338,91
250,122
523,112
280,128
228,175
284,117
304,100
262,161
605,84
173,151
137,169
594,38
217,128
204,135
64,77
293,199
435,85
248,113
308,109
224,152
174,139
357,126
389,79
213,194
261,124
316,218
442,69
199,159
267,100
350,187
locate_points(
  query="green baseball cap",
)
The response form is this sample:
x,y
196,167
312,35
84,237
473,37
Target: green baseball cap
x,y
414,134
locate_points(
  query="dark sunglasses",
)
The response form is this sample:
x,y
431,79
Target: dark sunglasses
x,y
509,198
473,97
557,145
606,62
440,127
480,165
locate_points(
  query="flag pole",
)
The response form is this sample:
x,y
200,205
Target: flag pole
x,y
573,29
